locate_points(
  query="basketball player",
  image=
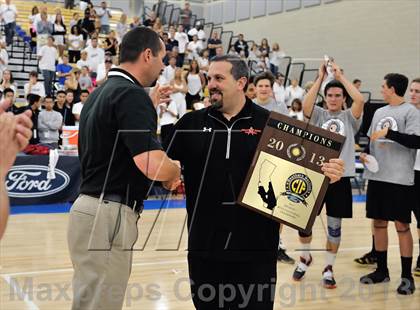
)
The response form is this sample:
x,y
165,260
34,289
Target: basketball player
x,y
390,193
338,198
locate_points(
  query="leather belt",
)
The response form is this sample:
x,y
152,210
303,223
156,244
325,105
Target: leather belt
x,y
136,205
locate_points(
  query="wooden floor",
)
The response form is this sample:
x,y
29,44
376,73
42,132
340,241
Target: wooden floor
x,y
35,269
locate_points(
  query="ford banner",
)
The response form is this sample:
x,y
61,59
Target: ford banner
x,y
27,181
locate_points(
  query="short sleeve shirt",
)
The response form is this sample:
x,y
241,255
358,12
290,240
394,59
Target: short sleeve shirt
x,y
117,123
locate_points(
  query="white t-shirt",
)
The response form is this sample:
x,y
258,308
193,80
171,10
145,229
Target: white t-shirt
x,y
82,63
182,39
168,73
95,57
293,93
203,62
48,57
199,33
77,109
279,93
5,57
8,12
101,74
167,118
75,42
195,48
194,83
37,89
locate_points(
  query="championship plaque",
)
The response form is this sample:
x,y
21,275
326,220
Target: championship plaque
x,y
285,181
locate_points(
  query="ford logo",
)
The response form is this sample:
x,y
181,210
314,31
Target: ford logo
x,y
28,181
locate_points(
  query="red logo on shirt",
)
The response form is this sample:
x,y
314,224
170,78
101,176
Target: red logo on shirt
x,y
251,131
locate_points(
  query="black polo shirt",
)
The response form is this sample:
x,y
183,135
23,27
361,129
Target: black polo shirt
x,y
121,103
216,155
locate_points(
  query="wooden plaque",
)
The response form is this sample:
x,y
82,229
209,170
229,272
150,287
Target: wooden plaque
x,y
285,181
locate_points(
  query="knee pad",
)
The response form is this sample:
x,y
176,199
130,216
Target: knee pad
x,y
334,229
303,235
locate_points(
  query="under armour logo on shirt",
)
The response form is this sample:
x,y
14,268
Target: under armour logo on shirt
x,y
205,129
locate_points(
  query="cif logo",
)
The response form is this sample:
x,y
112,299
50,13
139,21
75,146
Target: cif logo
x,y
298,188
29,181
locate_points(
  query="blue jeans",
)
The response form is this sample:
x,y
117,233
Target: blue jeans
x,y
9,31
105,29
49,77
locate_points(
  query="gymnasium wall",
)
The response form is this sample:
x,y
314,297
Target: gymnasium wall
x,y
368,38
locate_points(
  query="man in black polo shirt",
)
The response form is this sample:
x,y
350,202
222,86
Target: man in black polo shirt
x,y
232,251
119,154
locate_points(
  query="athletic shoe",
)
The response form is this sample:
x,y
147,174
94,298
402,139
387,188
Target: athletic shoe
x,y
375,277
367,259
301,268
407,286
417,269
284,258
328,278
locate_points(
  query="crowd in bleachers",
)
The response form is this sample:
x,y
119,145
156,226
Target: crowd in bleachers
x,y
75,57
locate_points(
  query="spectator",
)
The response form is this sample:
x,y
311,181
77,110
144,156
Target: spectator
x,y
157,26
9,14
8,81
254,54
49,124
122,27
74,20
219,51
83,4
194,48
83,61
278,89
168,114
296,110
69,4
185,16
195,82
172,32
213,43
32,26
179,90
44,29
77,108
241,46
250,90
86,25
264,90
111,44
105,14
103,70
85,81
64,108
179,59
69,98
197,31
47,56
75,44
63,71
357,83
95,56
264,48
72,83
168,47
136,22
4,58
294,91
276,56
34,103
183,41
169,71
203,61
150,21
34,86
9,94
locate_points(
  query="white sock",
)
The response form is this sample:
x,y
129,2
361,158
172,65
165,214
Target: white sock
x,y
306,253
330,258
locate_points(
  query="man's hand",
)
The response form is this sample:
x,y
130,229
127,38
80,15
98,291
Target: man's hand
x,y
379,134
175,182
363,158
160,94
23,129
322,71
9,147
336,71
334,169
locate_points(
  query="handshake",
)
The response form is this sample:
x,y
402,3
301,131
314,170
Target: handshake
x,y
173,183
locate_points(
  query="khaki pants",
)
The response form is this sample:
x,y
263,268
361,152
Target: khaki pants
x,y
100,240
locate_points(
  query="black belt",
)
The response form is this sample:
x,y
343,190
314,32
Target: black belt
x,y
136,205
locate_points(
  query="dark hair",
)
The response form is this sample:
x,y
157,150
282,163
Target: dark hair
x,y
239,67
11,77
197,69
416,80
75,27
8,90
69,91
84,91
335,84
298,101
49,97
264,76
60,92
33,98
136,41
398,81
356,81
33,73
